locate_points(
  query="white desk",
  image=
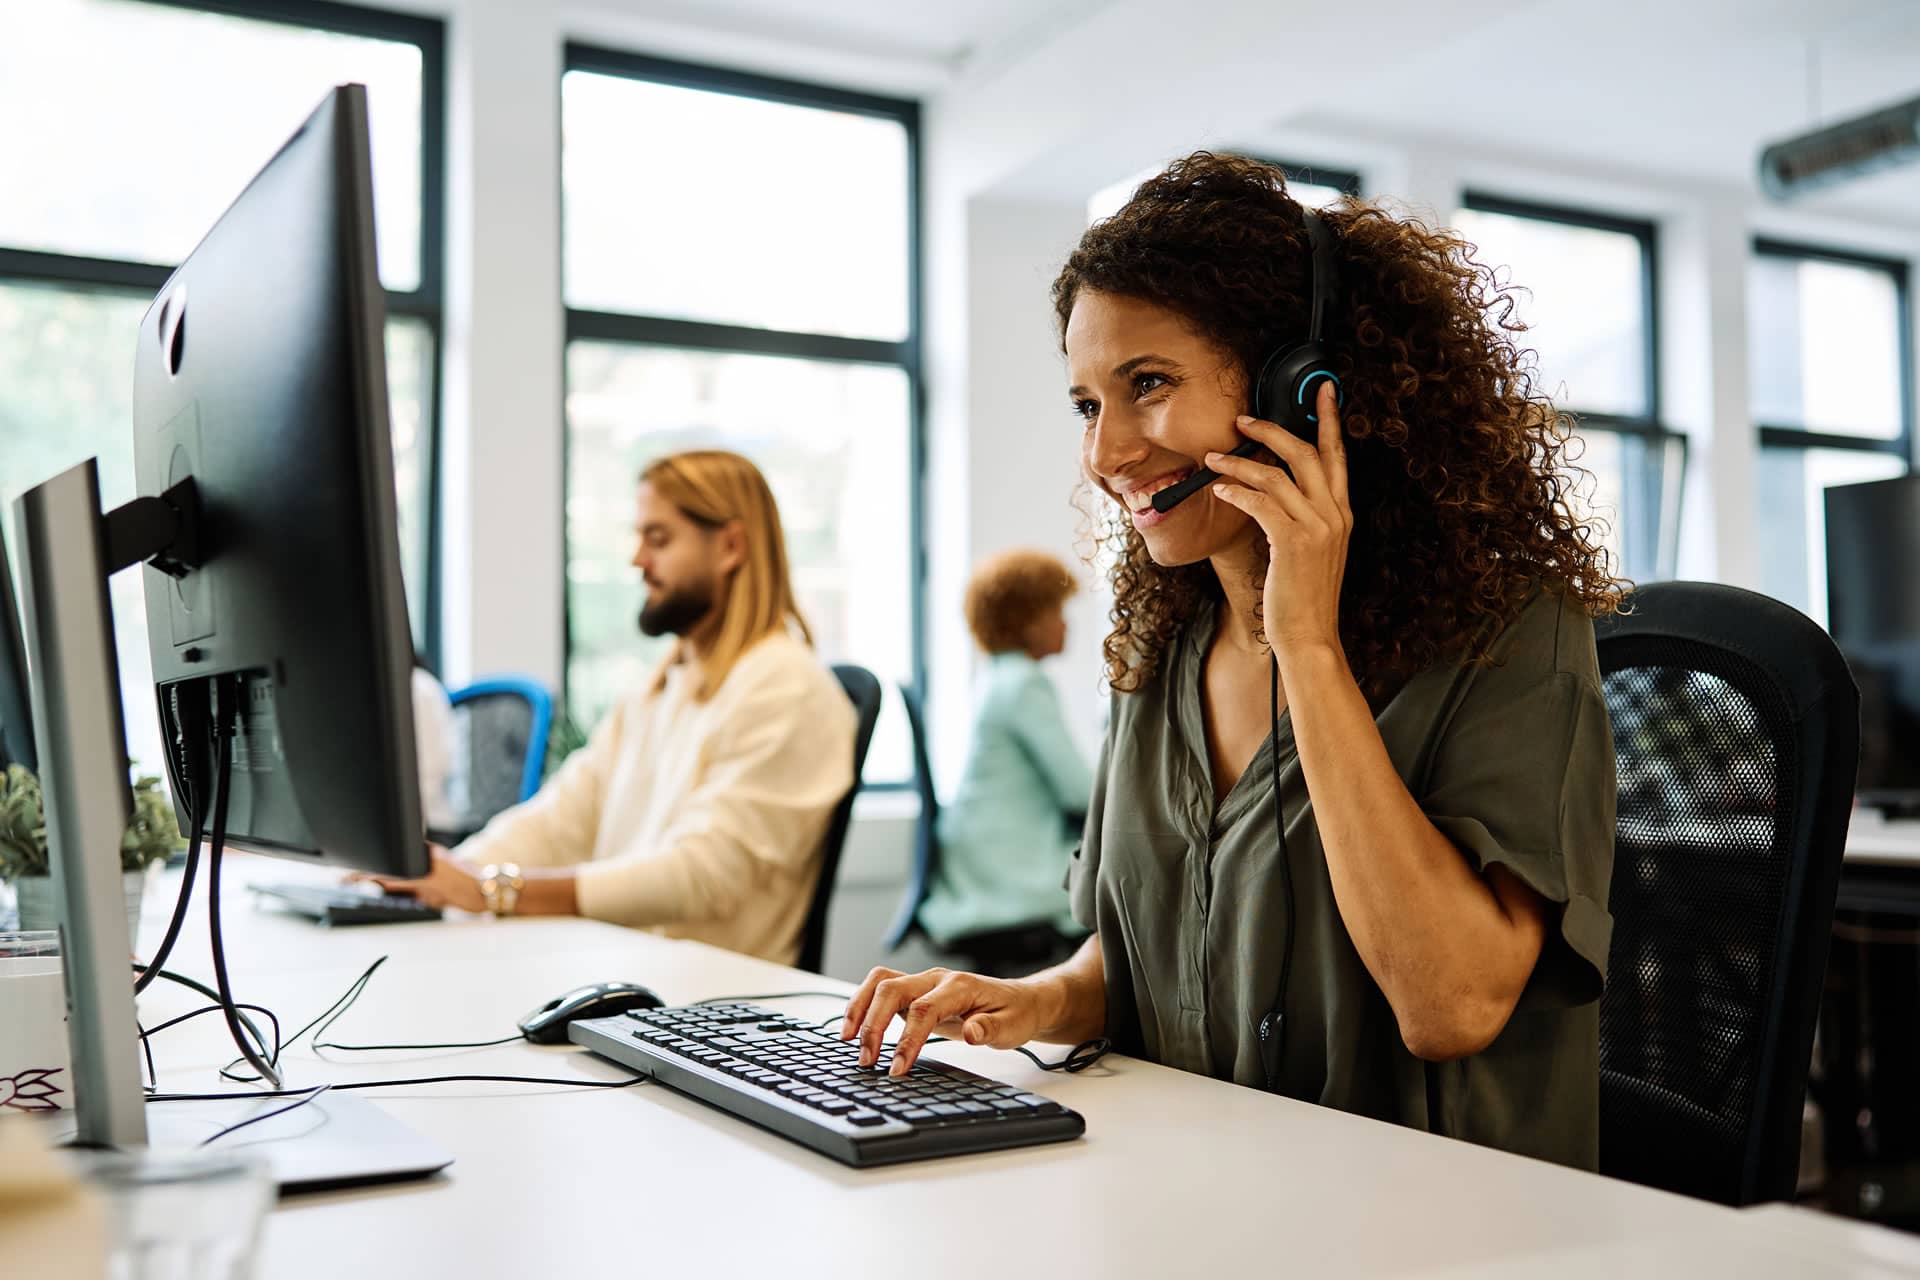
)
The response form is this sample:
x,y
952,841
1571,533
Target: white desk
x,y
1873,841
1178,1175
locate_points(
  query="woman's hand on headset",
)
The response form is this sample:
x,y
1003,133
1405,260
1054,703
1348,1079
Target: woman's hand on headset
x,y
996,1012
1307,520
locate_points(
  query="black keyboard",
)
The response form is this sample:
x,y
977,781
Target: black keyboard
x,y
343,905
805,1083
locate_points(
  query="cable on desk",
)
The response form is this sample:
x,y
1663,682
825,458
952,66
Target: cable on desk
x,y
203,989
396,1084
277,1111
353,993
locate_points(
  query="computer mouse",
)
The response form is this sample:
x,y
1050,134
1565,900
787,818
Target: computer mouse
x,y
548,1023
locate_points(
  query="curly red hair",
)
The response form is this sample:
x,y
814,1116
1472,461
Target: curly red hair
x,y
1459,473
1009,591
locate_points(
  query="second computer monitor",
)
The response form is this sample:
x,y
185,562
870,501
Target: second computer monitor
x,y
261,376
16,716
1873,613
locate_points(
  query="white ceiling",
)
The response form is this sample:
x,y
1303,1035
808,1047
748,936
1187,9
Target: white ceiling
x,y
1691,88
944,34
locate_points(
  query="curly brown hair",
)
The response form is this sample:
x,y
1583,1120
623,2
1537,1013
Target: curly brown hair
x,y
1008,591
1459,472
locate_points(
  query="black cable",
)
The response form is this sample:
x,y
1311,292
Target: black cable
x,y
153,1073
1078,1059
277,1111
216,1008
207,991
339,1009
459,1044
184,773
1273,1027
151,969
777,995
332,1013
395,1084
225,719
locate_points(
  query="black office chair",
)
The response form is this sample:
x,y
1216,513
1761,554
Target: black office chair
x,y
1736,729
864,692
926,843
1010,952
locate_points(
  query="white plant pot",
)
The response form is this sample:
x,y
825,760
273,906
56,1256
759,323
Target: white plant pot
x,y
38,910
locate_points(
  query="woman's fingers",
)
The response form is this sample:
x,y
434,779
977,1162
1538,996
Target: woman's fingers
x,y
1333,444
857,1007
891,997
1260,478
1301,458
989,1012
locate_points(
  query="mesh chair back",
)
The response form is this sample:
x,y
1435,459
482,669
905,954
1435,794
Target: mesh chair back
x,y
1736,733
926,846
502,726
863,690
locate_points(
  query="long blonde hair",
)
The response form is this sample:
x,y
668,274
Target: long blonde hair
x,y
714,487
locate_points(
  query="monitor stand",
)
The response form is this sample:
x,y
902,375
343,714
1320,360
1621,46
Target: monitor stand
x,y
68,549
333,1142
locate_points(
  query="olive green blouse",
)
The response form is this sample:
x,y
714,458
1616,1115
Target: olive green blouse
x,y
1512,760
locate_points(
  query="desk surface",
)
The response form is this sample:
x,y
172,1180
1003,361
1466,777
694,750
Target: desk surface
x,y
1874,841
1177,1175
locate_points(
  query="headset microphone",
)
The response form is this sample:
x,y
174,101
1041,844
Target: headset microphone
x,y
1286,386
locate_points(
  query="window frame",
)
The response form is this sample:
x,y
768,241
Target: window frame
x,y
642,330
425,302
1778,436
1644,507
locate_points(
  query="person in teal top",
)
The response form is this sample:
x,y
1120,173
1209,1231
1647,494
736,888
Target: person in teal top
x,y
1012,826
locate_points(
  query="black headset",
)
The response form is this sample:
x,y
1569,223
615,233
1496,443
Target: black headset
x,y
1286,389
1285,393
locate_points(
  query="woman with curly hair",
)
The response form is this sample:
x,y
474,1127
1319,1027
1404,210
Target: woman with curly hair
x,y
1379,641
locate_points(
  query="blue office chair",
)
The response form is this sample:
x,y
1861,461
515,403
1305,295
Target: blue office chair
x,y
502,724
863,690
1736,728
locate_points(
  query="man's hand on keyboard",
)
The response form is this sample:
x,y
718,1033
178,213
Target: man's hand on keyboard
x,y
989,1011
449,884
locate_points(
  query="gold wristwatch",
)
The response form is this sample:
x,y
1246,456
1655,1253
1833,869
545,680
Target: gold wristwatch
x,y
500,886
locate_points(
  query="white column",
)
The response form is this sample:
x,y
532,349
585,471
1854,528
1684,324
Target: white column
x,y
502,528
1003,451
1703,392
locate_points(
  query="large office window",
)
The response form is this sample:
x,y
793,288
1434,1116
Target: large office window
x,y
134,151
741,272
1831,384
1585,286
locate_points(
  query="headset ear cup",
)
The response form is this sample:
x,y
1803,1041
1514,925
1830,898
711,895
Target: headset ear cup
x,y
1288,384
1270,387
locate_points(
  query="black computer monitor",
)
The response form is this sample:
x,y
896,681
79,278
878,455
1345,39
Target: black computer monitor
x,y
1873,613
266,518
16,719
261,376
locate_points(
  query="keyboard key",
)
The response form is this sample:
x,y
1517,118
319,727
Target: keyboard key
x,y
864,1118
